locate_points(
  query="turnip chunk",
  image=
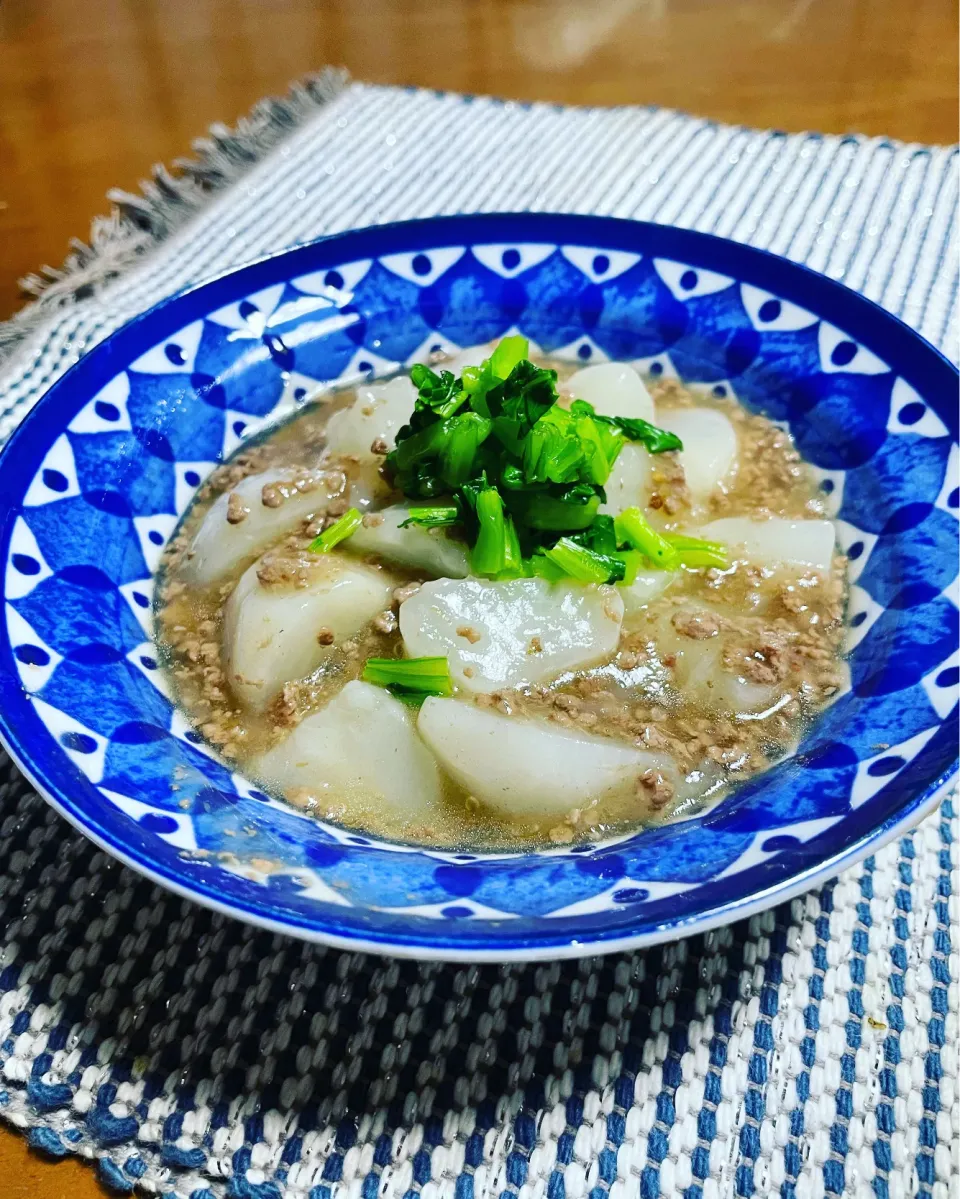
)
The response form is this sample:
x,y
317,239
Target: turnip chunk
x,y
698,668
239,525
709,454
644,589
368,489
431,550
629,484
613,388
527,768
271,628
502,635
776,542
375,416
363,745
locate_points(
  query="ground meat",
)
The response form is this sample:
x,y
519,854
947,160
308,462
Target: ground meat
x,y
697,624
280,569
670,489
272,495
210,653
468,633
770,471
325,636
402,594
335,480
791,598
653,738
670,393
655,788
237,510
378,446
231,473
386,622
766,658
755,668
611,609
284,707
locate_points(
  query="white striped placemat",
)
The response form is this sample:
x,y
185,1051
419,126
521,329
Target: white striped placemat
x,y
812,1050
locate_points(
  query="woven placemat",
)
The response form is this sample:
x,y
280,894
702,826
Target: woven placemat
x,y
811,1050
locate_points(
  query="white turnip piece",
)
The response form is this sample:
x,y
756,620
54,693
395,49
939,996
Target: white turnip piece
x,y
239,525
709,454
698,669
644,589
431,550
499,635
379,410
629,484
775,542
528,768
277,631
613,388
362,746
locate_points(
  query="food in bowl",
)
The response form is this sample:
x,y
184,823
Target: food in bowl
x,y
500,601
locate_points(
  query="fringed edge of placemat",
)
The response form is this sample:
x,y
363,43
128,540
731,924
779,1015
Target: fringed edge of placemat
x,y
166,202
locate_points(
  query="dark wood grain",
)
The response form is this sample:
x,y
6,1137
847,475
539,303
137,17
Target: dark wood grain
x,y
92,92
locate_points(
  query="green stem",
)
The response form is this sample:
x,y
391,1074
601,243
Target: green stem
x,y
345,527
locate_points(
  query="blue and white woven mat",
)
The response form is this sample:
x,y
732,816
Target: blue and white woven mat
x,y
812,1050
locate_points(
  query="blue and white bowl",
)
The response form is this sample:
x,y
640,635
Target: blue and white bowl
x,y
96,478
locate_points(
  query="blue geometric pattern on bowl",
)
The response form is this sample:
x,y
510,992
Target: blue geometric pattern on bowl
x,y
98,475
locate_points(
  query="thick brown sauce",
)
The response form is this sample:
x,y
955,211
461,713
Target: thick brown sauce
x,y
783,629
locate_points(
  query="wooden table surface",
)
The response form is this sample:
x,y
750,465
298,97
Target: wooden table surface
x,y
93,92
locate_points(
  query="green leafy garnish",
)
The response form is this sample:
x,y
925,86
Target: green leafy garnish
x,y
693,551
564,447
633,528
584,564
600,536
653,438
633,563
345,527
524,477
441,393
497,549
439,516
410,677
519,401
479,380
557,510
540,566
510,352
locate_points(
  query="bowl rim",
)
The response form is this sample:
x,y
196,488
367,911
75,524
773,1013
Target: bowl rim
x,y
908,354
